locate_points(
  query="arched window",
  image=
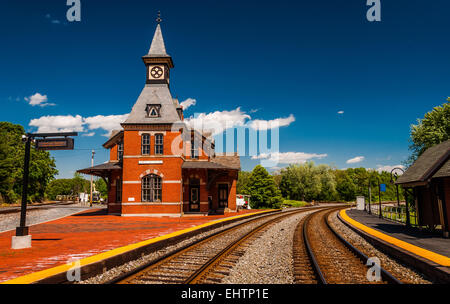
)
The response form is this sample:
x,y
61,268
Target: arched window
x,y
145,144
151,188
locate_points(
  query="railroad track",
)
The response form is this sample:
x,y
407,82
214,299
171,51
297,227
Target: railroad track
x,y
207,260
322,256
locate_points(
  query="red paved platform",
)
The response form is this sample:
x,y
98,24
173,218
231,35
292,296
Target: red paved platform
x,y
85,234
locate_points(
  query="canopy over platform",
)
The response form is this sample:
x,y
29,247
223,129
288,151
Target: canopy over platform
x,y
102,170
433,163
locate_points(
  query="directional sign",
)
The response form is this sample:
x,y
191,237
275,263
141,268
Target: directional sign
x,y
54,144
383,187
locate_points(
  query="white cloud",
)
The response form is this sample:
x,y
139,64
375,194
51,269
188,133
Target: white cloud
x,y
69,123
340,112
188,103
38,100
263,125
90,134
289,157
220,121
59,123
355,160
388,168
107,123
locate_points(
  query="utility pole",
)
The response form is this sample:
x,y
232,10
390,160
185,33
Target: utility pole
x,y
92,165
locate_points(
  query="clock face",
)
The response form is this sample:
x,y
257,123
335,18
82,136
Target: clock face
x,y
156,72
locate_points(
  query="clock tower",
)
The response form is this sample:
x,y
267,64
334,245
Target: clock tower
x,y
157,61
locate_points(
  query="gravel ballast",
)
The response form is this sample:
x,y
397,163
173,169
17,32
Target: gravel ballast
x,y
268,260
400,271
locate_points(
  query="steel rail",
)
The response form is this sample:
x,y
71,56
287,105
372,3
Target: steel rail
x,y
361,256
128,276
364,258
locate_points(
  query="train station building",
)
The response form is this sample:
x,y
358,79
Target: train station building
x,y
158,166
429,179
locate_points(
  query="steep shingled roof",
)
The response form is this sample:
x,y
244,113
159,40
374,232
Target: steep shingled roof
x,y
157,48
154,94
431,162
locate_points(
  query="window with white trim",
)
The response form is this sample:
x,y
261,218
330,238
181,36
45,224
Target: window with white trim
x,y
120,150
159,144
145,144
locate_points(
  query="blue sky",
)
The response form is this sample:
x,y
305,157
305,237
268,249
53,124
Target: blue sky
x,y
309,59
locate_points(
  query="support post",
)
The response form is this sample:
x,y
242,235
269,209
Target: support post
x,y
22,230
92,165
379,199
22,239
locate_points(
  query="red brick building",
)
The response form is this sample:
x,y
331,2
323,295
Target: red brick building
x,y
157,165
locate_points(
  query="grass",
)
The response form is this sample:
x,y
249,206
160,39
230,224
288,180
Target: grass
x,y
292,203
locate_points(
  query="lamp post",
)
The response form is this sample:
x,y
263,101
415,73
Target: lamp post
x,y
392,182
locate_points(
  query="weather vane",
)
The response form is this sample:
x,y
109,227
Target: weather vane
x,y
158,19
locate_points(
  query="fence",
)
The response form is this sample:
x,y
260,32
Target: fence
x,y
395,213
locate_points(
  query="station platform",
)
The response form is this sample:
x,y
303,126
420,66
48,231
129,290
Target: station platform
x,y
88,235
430,246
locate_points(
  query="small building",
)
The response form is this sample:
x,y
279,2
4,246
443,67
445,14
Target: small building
x,y
429,179
158,166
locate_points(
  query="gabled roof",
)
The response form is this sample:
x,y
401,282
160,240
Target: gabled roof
x,y
430,163
154,94
116,136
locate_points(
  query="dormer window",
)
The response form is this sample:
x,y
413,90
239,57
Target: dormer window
x,y
153,110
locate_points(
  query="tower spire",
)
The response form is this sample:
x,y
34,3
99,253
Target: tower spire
x,y
157,48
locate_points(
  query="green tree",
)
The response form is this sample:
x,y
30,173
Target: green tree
x,y
264,193
345,187
307,182
102,187
433,129
62,186
12,149
242,182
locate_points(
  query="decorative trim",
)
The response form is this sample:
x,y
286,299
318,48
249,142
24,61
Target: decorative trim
x,y
152,133
152,214
172,182
153,156
151,171
150,162
131,182
149,204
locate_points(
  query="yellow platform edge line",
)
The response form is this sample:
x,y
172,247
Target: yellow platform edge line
x,y
37,276
427,254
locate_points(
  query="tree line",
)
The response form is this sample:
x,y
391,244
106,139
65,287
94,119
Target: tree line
x,y
310,182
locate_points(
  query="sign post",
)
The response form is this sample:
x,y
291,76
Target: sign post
x,y
22,239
